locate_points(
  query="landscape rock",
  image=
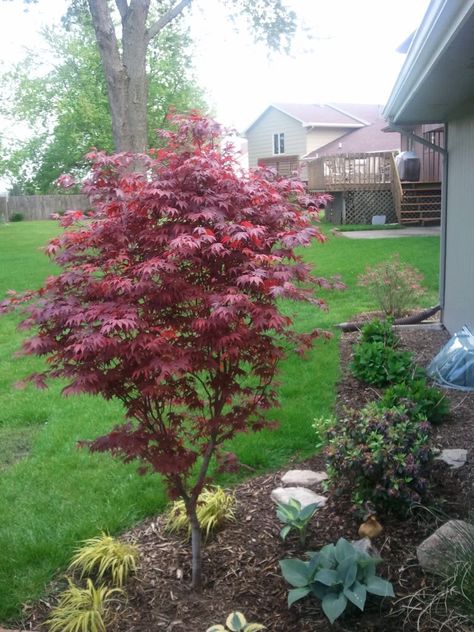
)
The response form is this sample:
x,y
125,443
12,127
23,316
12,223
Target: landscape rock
x,y
445,546
303,477
302,494
455,458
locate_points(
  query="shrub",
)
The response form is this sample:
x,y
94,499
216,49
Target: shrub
x,y
82,609
395,286
380,456
106,556
215,506
380,331
339,575
236,622
321,425
425,402
17,217
377,364
294,517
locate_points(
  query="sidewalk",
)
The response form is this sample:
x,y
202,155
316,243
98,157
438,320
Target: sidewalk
x,y
416,231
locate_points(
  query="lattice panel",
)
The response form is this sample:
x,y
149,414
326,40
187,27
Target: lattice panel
x,y
361,206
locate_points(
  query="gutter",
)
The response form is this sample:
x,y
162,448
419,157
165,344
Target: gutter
x,y
444,227
438,28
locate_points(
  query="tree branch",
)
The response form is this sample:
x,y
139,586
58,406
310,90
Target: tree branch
x,y
165,19
105,34
122,6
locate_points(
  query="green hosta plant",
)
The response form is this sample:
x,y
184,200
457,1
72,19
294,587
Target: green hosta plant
x,y
82,609
295,517
106,556
338,575
215,506
236,622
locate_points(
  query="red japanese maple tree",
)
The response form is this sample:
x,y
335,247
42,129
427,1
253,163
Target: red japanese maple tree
x,y
168,301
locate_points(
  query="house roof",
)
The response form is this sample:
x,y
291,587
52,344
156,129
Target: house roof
x,y
370,138
437,78
350,115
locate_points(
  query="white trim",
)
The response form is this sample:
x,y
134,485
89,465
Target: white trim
x,y
305,124
279,139
357,118
265,111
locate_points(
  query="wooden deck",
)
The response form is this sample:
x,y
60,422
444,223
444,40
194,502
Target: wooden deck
x,y
369,184
344,172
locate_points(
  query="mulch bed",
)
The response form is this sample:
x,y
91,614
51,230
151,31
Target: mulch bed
x,y
241,562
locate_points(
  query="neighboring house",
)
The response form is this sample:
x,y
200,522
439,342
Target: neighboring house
x,y
286,133
436,86
337,147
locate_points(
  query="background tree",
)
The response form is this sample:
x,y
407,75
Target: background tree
x,y
168,300
124,59
65,104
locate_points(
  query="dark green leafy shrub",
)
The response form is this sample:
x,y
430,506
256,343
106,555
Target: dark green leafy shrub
x,y
380,456
17,217
377,364
339,575
380,331
427,401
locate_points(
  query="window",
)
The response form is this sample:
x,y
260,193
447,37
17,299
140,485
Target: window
x,y
279,143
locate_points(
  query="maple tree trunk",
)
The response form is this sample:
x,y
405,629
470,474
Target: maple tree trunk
x,y
196,541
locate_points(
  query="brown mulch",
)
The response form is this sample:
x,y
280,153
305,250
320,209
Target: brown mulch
x,y
241,562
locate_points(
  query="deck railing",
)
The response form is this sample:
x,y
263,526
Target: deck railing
x,y
349,171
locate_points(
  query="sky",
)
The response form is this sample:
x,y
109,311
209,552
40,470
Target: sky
x,y
344,52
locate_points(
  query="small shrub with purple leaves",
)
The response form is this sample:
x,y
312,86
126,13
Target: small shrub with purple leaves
x,y
380,456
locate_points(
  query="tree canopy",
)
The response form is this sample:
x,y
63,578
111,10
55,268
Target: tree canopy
x,y
61,95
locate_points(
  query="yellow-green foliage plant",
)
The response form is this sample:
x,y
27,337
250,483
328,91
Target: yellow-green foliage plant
x,y
236,622
105,556
82,609
215,506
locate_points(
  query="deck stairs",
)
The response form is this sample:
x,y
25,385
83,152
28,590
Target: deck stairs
x,y
421,203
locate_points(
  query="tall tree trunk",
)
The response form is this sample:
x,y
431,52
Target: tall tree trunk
x,y
133,136
125,70
125,73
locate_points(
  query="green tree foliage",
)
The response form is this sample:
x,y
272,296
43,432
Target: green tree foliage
x,y
61,96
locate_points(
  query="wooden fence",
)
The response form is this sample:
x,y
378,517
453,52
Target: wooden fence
x,y
40,206
350,171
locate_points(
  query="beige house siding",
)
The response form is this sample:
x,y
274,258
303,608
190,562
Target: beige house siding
x,y
459,294
320,136
260,136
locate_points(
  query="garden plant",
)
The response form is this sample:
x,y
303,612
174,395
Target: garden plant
x,y
381,456
395,286
339,575
167,300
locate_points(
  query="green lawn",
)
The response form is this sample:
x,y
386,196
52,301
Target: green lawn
x,y
53,494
